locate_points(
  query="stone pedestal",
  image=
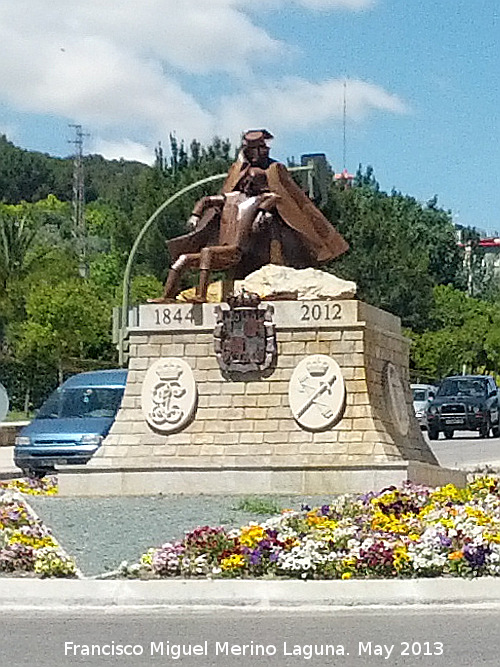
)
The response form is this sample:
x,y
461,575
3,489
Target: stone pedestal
x,y
243,437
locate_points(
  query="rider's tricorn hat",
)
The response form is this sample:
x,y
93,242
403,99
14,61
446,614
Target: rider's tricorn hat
x,y
256,137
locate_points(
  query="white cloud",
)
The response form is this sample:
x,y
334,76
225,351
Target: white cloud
x,y
114,67
97,82
300,104
10,130
349,5
126,149
337,4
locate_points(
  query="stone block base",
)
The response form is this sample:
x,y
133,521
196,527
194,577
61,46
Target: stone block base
x,y
250,481
279,430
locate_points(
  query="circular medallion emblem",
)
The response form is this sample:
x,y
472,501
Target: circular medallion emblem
x,y
395,397
317,392
4,403
168,395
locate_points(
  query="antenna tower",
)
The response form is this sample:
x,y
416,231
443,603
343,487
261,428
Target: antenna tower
x,y
79,227
344,123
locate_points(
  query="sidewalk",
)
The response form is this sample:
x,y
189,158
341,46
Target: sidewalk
x,y
7,468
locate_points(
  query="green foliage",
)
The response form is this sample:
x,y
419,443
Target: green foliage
x,y
64,320
254,505
24,176
18,231
106,272
143,288
399,248
404,257
464,332
27,384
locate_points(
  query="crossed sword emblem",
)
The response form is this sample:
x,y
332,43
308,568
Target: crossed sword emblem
x,y
315,392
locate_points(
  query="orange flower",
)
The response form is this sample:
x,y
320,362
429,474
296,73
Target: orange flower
x,y
455,555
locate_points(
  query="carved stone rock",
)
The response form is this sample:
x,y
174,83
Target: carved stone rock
x,y
317,392
395,397
168,396
273,281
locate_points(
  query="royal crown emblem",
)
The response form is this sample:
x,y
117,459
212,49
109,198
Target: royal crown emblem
x,y
316,367
169,372
244,334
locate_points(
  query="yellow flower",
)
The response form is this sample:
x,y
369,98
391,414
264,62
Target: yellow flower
x,y
233,562
35,542
450,492
390,523
346,575
479,515
349,562
481,483
251,535
322,525
401,556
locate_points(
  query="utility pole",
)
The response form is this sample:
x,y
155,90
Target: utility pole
x,y
470,280
79,227
469,267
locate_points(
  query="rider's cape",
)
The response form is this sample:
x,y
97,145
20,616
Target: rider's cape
x,y
308,238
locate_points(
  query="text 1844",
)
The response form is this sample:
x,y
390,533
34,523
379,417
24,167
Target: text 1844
x,y
173,316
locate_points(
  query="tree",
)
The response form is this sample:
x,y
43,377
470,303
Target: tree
x,y
18,232
24,175
463,331
67,319
399,248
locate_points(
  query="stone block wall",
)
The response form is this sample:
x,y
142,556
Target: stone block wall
x,y
247,422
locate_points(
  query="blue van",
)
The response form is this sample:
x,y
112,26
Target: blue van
x,y
72,423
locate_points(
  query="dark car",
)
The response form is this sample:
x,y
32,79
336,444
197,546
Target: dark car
x,y
464,403
72,423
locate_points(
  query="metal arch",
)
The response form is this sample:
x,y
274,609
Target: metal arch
x,y
140,236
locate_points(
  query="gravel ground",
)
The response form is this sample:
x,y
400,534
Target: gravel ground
x,y
100,533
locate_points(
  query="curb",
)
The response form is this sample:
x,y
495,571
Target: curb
x,y
10,474
50,593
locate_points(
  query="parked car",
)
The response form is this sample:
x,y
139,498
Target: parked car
x,y
72,423
464,403
422,396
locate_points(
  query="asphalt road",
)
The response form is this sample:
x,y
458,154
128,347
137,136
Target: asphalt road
x,y
430,636
466,450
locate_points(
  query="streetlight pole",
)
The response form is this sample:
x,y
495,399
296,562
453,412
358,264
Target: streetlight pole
x,y
130,262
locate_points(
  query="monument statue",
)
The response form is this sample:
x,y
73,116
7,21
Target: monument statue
x,y
261,217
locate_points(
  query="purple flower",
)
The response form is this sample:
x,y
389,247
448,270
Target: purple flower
x,y
475,556
255,557
305,508
445,540
325,510
366,497
273,557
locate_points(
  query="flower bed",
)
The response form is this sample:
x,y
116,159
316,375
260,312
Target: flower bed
x,y
412,531
26,544
45,486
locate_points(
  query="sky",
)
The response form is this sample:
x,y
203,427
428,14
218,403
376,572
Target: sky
x,y
422,98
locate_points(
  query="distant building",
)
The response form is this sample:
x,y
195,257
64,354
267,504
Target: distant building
x,y
491,249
